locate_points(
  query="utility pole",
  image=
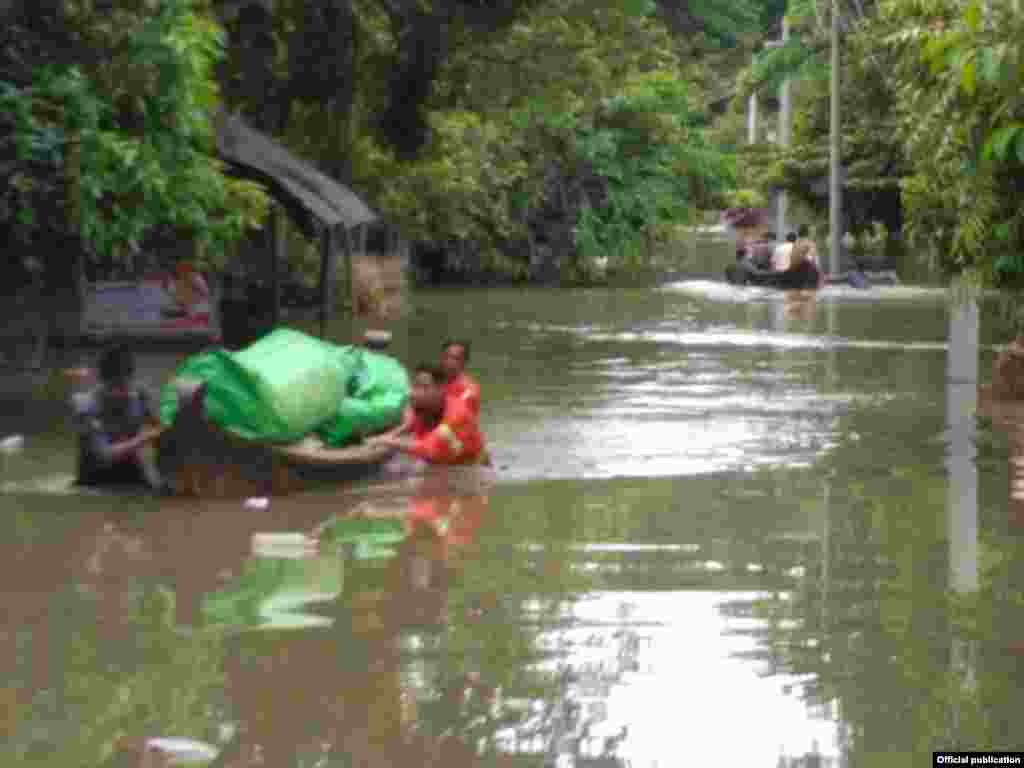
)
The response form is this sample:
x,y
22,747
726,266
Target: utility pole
x,y
785,110
752,118
961,466
834,183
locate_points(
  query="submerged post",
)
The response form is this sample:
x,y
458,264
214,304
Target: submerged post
x,y
834,186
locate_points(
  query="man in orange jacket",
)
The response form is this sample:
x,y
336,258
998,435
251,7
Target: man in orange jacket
x,y
445,430
459,384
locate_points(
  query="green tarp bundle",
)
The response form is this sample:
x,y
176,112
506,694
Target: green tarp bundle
x,y
377,394
288,385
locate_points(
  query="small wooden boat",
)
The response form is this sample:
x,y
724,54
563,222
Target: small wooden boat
x,y
804,280
804,277
198,458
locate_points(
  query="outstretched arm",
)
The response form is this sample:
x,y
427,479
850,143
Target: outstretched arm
x,y
399,431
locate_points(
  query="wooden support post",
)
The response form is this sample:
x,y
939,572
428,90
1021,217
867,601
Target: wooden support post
x,y
361,237
277,248
349,271
326,279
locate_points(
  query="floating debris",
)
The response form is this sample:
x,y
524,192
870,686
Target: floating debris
x,y
12,444
183,751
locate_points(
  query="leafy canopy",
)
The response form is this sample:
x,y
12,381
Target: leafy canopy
x,y
118,144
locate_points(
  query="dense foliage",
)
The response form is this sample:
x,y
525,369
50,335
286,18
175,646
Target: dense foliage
x,y
964,133
931,128
493,131
107,134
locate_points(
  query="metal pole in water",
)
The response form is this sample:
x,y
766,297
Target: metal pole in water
x,y
834,186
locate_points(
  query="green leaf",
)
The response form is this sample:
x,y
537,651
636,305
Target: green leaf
x,y
968,76
989,65
998,144
972,16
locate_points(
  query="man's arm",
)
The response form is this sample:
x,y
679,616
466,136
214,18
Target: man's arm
x,y
472,395
400,430
150,411
99,444
442,444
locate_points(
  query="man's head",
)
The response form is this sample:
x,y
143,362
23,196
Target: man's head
x,y
117,367
427,392
454,356
791,237
803,231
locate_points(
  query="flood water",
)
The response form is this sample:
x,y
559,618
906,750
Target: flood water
x,y
725,527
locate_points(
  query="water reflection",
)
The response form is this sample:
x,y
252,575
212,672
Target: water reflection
x,y
896,631
755,516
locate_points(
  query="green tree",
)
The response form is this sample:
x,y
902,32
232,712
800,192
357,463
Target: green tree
x,y
960,77
107,126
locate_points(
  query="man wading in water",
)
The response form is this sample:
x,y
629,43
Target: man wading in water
x,y
444,428
116,421
459,384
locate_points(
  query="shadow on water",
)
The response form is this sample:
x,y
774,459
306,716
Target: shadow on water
x,y
773,526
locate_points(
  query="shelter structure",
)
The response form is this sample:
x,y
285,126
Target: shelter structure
x,y
320,207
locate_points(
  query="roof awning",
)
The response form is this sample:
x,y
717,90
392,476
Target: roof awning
x,y
312,199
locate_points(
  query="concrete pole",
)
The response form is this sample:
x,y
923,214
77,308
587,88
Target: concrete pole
x,y
961,452
785,113
834,182
961,407
752,119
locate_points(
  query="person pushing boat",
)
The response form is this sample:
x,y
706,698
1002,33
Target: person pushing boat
x,y
458,383
444,428
116,420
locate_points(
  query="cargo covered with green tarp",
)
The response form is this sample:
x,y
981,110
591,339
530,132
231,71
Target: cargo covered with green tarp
x,y
288,385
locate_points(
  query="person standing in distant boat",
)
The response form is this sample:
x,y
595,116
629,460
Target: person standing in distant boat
x,y
783,254
805,249
761,251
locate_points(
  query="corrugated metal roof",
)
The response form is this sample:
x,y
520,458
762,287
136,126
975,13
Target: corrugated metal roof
x,y
310,195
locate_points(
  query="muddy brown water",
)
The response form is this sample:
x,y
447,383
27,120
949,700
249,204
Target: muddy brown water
x,y
723,526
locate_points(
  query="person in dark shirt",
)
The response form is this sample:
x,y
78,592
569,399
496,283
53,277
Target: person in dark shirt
x,y
761,251
115,420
